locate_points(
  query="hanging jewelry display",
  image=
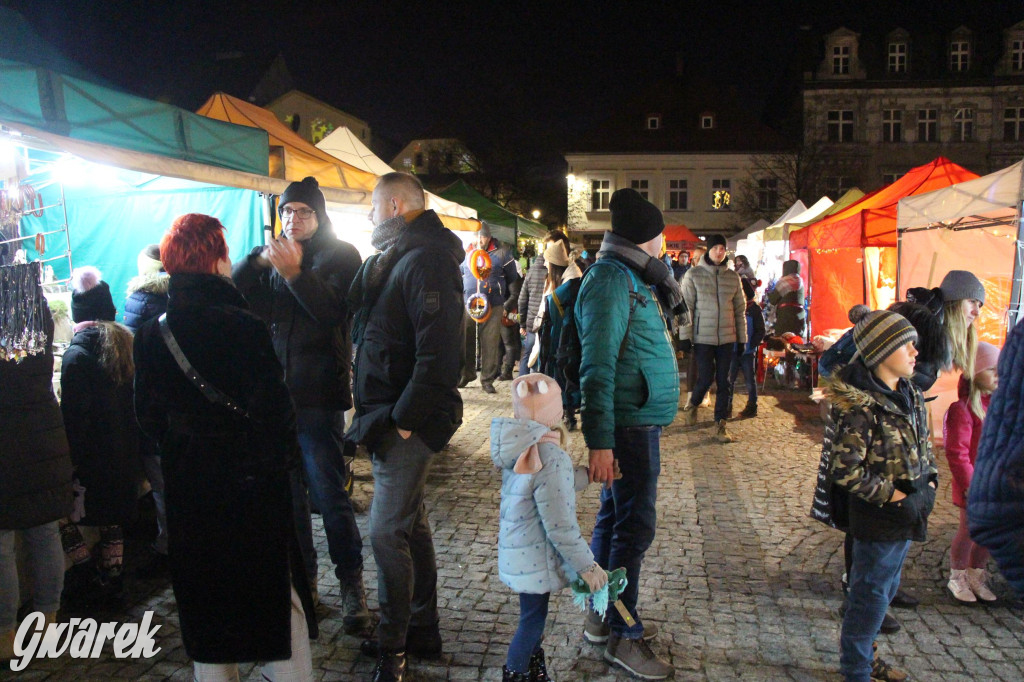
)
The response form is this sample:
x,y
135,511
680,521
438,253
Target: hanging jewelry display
x,y
22,316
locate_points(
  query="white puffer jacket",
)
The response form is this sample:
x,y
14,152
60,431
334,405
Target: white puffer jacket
x,y
714,297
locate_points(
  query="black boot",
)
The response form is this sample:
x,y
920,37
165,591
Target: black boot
x,y
390,666
512,676
538,671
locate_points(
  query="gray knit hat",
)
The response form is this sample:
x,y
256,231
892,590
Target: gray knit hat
x,y
960,284
879,334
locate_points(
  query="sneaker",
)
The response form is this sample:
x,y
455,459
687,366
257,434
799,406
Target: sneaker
x,y
356,618
721,434
488,388
749,411
689,415
883,672
904,600
977,578
596,630
636,657
960,588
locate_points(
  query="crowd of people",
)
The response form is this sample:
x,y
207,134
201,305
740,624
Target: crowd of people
x,y
239,389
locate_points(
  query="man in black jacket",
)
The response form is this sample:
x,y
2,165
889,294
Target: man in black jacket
x,y
408,333
298,285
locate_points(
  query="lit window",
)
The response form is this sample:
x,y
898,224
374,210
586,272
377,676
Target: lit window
x,y
841,59
600,194
897,57
892,125
721,196
959,56
1017,55
641,186
707,122
963,125
677,195
840,126
1013,124
927,125
768,194
653,122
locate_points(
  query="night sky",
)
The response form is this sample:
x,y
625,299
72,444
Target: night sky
x,y
528,75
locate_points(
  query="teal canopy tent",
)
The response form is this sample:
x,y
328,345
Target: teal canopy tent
x,y
505,225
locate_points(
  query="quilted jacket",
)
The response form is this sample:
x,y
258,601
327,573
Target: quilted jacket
x,y
714,297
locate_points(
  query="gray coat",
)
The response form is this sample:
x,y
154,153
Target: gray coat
x,y
540,547
532,293
714,297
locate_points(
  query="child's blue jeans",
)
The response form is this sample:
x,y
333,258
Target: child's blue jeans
x,y
533,612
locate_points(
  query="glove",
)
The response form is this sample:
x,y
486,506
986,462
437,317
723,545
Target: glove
x,y
686,345
595,578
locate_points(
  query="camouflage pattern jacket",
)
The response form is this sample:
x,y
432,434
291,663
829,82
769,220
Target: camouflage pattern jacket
x,y
876,442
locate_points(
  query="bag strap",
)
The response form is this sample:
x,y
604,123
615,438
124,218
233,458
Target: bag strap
x,y
212,393
634,296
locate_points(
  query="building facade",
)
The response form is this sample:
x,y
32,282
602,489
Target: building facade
x,y
879,105
314,120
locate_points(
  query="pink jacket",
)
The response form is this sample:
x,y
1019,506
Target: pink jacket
x,y
961,431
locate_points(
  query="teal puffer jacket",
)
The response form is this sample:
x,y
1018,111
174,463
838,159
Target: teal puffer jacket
x,y
635,383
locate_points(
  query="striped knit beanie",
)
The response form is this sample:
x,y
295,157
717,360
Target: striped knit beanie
x,y
879,334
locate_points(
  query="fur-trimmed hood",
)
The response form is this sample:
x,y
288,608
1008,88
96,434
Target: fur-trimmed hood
x,y
151,283
854,387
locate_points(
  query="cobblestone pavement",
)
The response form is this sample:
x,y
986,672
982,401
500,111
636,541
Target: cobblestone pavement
x,y
742,582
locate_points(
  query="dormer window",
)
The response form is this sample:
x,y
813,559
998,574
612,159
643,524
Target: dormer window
x,y
897,57
707,121
654,121
1017,55
840,59
959,56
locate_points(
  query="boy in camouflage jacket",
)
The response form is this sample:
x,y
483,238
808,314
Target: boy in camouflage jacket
x,y
882,479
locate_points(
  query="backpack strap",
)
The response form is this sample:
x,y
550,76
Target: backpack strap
x,y
634,296
212,393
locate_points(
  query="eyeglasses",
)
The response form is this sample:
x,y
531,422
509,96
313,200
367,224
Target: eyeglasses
x,y
303,213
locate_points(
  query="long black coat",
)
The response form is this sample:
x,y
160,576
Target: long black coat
x,y
35,468
409,359
229,514
308,318
102,432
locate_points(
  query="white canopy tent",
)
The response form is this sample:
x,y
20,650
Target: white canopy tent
x,y
733,243
343,144
976,226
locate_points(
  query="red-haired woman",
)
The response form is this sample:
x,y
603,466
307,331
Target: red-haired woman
x,y
242,594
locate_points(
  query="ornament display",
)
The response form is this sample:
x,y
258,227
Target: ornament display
x,y
22,312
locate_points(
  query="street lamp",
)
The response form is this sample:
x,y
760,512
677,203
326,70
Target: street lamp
x,y
536,214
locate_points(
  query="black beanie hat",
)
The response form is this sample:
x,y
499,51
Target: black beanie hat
x,y
634,218
308,192
715,240
90,297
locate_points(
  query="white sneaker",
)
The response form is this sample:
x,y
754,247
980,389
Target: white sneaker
x,y
977,578
960,587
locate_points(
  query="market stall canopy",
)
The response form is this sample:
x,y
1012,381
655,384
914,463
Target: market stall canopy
x,y
872,220
754,228
782,232
73,108
505,225
991,198
680,234
291,157
20,43
343,144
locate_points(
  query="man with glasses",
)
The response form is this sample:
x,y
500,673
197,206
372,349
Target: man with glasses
x,y
298,284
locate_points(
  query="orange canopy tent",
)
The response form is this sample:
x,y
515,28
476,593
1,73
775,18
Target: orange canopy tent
x,y
850,256
291,157
678,237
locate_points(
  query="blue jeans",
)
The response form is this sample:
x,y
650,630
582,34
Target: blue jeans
x,y
713,362
320,437
400,536
533,613
874,578
45,563
627,518
528,342
745,364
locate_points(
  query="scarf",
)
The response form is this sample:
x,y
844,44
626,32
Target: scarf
x,y
529,462
652,271
369,280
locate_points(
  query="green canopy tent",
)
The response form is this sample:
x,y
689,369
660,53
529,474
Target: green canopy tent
x,y
505,225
